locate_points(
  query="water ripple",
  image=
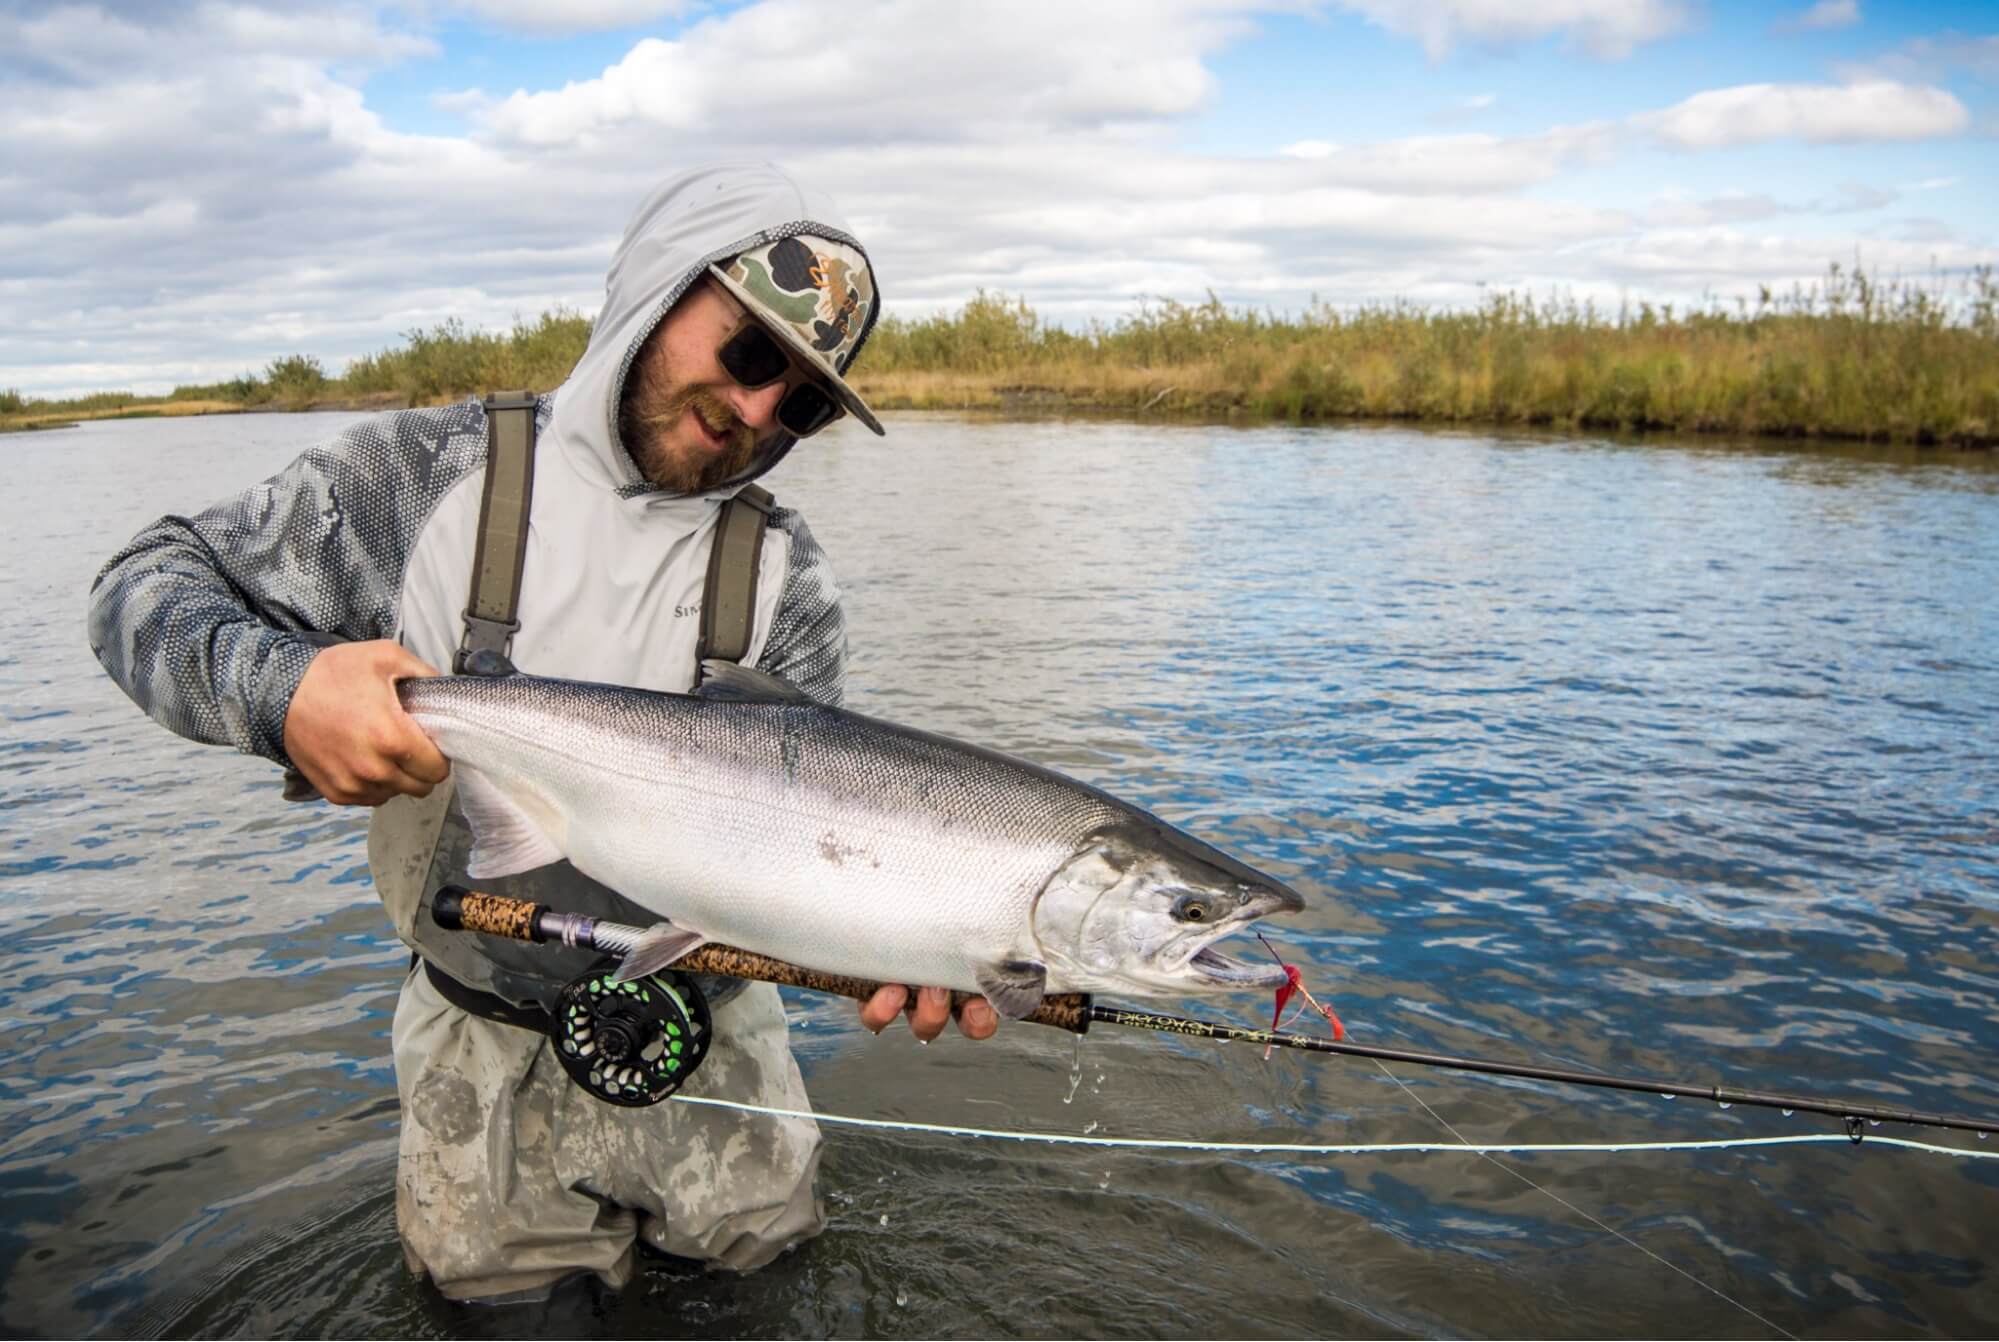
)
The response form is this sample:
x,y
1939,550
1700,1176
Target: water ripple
x,y
1640,758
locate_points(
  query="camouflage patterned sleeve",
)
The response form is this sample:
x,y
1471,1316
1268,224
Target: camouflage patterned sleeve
x,y
808,639
208,622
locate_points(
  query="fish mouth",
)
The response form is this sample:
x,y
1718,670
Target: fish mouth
x,y
1225,971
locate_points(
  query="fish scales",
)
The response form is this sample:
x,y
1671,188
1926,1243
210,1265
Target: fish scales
x,y
798,830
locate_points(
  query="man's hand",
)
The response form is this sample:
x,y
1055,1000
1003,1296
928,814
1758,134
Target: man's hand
x,y
927,1014
347,732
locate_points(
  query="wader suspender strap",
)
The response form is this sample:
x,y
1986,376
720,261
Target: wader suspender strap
x,y
728,606
492,606
729,598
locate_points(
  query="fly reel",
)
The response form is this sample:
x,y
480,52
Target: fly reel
x,y
631,1044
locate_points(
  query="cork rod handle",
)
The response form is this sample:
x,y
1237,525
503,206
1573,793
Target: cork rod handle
x,y
456,909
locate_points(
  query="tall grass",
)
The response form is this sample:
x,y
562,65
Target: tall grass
x,y
440,363
1847,357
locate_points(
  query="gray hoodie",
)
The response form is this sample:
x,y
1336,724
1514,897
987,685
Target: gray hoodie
x,y
209,620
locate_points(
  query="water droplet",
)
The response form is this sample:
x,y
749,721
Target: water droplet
x,y
884,1218
1089,1127
1873,1122
1075,1072
1723,1103
1664,1096
1787,1113
901,1299
1105,1182
1981,1136
881,1178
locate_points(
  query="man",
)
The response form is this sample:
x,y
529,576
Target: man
x,y
280,620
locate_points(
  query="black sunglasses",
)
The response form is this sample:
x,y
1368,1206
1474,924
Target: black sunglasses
x,y
752,356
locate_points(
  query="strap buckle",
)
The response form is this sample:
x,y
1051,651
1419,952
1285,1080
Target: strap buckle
x,y
483,635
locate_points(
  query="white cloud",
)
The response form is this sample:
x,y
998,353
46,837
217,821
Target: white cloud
x,y
189,194
825,74
1824,16
1816,113
1606,29
1467,163
1727,261
569,16
319,34
1740,207
1734,208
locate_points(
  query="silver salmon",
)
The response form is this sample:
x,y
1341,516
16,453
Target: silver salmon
x,y
753,816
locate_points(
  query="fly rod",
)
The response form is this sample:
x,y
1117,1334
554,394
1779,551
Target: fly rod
x,y
458,909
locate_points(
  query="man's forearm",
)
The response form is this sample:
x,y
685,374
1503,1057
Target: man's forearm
x,y
209,621
183,641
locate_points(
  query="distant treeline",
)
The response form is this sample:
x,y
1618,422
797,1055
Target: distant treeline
x,y
1849,357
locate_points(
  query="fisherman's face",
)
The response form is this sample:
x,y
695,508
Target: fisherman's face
x,y
686,422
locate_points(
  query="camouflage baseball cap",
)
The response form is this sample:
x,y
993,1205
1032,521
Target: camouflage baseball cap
x,y
815,295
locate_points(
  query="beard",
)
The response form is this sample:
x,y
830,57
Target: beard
x,y
652,404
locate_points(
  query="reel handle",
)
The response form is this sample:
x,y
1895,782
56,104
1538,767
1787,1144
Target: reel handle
x,y
455,908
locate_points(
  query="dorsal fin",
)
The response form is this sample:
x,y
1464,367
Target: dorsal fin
x,y
731,683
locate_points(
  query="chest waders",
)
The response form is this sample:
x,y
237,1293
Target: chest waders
x,y
417,845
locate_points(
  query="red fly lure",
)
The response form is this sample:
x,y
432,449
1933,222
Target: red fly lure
x,y
1294,983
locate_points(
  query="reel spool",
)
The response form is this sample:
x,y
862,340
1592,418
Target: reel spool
x,y
631,1044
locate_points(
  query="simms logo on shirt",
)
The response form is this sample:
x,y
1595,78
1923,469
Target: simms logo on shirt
x,y
691,608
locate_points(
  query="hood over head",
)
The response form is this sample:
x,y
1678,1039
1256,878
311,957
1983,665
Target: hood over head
x,y
689,222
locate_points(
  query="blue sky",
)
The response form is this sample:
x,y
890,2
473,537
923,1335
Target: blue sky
x,y
194,190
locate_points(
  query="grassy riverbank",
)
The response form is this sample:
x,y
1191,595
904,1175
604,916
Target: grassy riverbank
x,y
1848,358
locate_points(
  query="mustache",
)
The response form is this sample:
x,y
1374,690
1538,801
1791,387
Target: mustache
x,y
660,410
718,415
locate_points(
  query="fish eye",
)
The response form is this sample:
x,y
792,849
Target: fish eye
x,y
1192,909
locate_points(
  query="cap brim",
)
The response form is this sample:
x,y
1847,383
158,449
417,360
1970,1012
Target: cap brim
x,y
804,353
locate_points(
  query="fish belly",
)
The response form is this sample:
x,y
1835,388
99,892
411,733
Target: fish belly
x,y
872,892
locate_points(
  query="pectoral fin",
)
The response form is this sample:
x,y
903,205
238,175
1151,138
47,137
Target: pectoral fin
x,y
504,839
1014,987
660,946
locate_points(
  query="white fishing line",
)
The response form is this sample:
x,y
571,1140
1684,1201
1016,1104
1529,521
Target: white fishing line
x,y
1599,1223
1330,1148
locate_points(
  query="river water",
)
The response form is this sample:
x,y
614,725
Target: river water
x,y
1673,758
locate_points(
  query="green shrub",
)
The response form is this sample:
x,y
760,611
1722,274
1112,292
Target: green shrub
x,y
295,379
